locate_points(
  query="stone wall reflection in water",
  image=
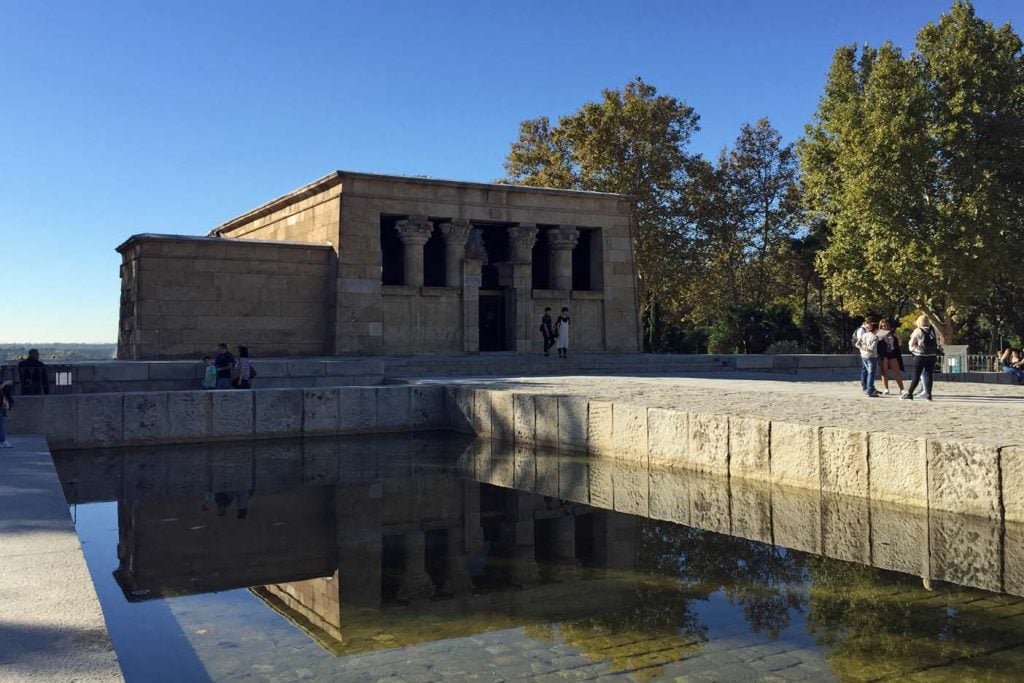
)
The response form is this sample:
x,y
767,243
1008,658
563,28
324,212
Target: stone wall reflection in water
x,y
381,542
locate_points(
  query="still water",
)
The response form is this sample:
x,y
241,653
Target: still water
x,y
435,558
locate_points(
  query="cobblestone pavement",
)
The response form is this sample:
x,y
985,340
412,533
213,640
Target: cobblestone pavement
x,y
960,411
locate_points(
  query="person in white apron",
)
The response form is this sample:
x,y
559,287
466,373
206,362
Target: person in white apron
x,y
562,332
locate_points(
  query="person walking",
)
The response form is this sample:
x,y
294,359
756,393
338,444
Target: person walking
x,y
225,363
562,332
242,372
867,344
924,345
890,359
547,331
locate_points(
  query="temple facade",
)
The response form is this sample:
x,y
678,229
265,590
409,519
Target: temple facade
x,y
357,263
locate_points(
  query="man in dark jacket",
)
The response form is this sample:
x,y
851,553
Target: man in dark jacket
x,y
32,375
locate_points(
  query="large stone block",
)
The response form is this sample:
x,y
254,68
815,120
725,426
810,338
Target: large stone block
x,y
709,443
121,372
100,420
458,402
1013,558
524,419
573,422
844,461
845,528
426,404
1011,463
669,494
231,467
965,549
546,420
502,415
629,432
709,502
795,456
796,518
898,471
599,428
963,478
393,408
667,437
600,475
60,417
751,509
546,464
630,484
481,412
502,465
232,414
357,409
749,447
146,417
189,415
573,478
899,537
526,467
278,412
319,411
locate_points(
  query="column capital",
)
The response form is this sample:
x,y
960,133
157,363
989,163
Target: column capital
x,y
563,237
475,246
523,237
456,231
414,230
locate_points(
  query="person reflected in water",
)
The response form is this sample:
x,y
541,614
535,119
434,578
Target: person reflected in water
x,y
224,499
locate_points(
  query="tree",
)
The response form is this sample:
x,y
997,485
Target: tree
x,y
633,141
913,161
745,212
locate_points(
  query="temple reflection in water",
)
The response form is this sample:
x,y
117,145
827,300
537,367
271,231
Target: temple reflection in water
x,y
381,542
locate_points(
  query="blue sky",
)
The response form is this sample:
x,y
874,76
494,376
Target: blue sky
x,y
129,117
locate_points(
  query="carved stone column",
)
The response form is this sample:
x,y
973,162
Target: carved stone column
x,y
521,240
455,234
414,233
416,584
472,278
561,241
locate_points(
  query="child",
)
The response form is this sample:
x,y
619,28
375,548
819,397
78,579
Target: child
x,y
210,374
6,403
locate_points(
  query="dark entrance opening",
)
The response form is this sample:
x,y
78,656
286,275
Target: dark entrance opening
x,y
492,321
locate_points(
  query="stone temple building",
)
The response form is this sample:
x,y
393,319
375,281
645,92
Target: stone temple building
x,y
357,263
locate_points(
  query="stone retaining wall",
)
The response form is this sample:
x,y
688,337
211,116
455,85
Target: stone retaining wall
x,y
170,417
964,478
274,373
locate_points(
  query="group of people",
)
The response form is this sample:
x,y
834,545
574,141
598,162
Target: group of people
x,y
881,355
34,382
556,333
226,371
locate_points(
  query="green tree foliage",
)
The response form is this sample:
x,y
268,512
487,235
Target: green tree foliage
x,y
914,164
746,213
632,141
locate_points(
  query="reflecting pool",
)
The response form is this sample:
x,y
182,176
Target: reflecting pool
x,y
437,557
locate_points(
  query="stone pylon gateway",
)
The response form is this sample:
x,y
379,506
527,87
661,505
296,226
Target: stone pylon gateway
x,y
357,263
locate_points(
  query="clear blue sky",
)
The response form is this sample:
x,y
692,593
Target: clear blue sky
x,y
129,117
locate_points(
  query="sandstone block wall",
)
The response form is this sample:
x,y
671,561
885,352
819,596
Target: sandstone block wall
x,y
853,469
180,297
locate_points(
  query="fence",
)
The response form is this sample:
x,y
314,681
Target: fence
x,y
48,379
982,362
